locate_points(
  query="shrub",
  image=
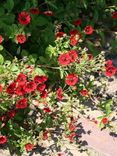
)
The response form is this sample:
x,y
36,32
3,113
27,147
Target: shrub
x,y
58,71
32,96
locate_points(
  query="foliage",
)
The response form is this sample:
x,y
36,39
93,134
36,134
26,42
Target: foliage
x,y
50,68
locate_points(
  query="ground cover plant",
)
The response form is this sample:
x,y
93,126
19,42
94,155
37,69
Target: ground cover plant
x,y
50,69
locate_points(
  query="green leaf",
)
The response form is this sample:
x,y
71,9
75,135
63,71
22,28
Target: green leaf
x,y
7,19
92,48
108,106
14,68
1,59
38,71
1,69
1,47
2,11
50,51
61,73
40,21
9,5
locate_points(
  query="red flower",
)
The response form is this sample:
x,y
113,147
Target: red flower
x,y
30,87
71,79
59,94
61,154
22,103
21,79
21,38
72,126
45,135
48,13
114,15
110,71
104,121
20,90
77,22
3,139
73,55
74,32
109,63
88,30
90,56
64,59
34,11
29,147
47,110
11,114
60,34
41,87
40,79
11,88
73,40
1,88
71,136
84,92
44,94
24,18
1,39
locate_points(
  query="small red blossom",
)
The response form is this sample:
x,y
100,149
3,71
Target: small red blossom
x,y
40,79
11,114
64,59
89,29
21,79
34,11
61,154
30,87
47,110
24,18
90,56
104,121
21,38
71,136
73,55
41,87
44,94
109,63
45,135
22,103
73,40
84,92
29,147
20,90
1,88
72,126
59,34
73,32
71,79
114,15
1,39
11,88
48,13
77,22
3,139
59,93
110,71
